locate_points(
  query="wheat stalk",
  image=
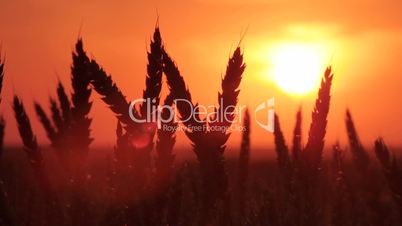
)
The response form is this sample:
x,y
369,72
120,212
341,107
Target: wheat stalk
x,y
337,159
243,166
297,136
341,194
208,146
2,127
2,121
164,147
1,75
175,206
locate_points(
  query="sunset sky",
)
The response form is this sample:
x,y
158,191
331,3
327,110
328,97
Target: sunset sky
x,y
361,39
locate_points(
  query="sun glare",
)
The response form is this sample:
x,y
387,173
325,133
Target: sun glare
x,y
297,68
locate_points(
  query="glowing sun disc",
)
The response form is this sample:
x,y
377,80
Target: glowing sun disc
x,y
297,68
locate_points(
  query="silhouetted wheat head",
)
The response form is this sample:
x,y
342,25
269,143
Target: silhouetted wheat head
x,y
309,194
56,114
208,145
113,97
111,94
134,140
210,148
312,154
46,123
65,106
369,191
26,134
81,105
392,170
178,89
153,80
359,154
59,129
282,150
153,85
34,155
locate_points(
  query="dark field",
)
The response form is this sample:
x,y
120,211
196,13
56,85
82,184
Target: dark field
x,y
342,195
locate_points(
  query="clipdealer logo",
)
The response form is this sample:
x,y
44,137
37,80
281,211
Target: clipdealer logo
x,y
165,114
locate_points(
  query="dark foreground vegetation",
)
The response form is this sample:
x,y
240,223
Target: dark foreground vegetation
x,y
141,183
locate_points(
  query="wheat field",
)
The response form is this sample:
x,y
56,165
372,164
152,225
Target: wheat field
x,y
141,183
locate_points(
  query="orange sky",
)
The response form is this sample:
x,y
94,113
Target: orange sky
x,y
364,39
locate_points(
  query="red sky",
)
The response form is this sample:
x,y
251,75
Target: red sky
x,y
364,39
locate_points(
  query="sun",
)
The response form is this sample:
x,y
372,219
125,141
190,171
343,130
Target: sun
x,y
297,67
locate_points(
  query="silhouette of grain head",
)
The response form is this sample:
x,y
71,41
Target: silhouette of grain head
x,y
282,150
80,79
143,138
178,89
208,146
227,99
392,170
359,154
26,134
65,104
46,123
139,136
81,105
111,94
56,114
312,154
230,84
382,152
153,79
